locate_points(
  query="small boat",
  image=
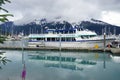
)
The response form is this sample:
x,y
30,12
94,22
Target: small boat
x,y
115,44
115,50
116,47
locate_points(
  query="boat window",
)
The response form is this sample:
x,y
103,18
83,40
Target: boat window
x,y
62,39
57,39
82,37
92,35
73,39
53,39
68,39
40,39
48,39
86,36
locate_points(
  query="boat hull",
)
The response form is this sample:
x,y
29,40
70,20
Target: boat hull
x,y
115,50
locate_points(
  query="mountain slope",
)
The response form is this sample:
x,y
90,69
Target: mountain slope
x,y
100,26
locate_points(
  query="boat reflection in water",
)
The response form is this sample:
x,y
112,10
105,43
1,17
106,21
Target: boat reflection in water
x,y
115,58
70,61
38,65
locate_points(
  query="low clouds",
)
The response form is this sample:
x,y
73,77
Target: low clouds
x,y
70,10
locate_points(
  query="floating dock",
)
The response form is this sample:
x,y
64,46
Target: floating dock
x,y
58,49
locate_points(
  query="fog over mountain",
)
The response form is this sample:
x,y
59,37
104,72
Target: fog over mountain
x,y
26,11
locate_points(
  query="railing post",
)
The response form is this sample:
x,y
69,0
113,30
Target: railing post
x,y
104,41
60,42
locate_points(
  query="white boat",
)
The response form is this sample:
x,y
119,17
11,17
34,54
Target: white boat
x,y
79,39
115,47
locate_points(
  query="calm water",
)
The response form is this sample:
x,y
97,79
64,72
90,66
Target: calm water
x,y
49,65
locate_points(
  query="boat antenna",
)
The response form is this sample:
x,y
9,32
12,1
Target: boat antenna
x,y
12,24
109,30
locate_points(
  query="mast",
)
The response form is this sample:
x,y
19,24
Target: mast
x,y
102,31
12,29
114,31
109,31
43,24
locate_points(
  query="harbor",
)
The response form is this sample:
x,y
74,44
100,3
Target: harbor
x,y
76,46
24,44
75,38
59,40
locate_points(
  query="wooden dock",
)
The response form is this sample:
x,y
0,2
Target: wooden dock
x,y
58,49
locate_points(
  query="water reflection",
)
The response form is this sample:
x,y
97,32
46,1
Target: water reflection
x,y
36,65
115,58
70,61
104,61
23,73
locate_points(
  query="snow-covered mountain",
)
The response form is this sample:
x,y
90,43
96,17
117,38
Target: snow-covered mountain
x,y
40,25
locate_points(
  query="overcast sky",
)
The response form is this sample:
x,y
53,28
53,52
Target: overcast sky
x,y
70,10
